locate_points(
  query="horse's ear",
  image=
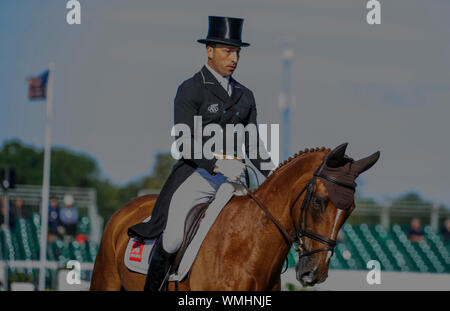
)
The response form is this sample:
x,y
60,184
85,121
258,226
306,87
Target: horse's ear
x,y
363,165
336,156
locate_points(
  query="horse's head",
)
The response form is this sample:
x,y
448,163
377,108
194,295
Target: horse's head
x,y
327,203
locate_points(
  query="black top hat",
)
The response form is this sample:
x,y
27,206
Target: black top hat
x,y
225,30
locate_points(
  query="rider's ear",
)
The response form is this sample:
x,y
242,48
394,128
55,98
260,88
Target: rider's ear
x,y
364,164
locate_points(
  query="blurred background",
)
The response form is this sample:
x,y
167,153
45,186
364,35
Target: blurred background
x,y
316,68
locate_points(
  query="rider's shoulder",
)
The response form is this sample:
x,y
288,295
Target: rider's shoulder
x,y
191,83
242,86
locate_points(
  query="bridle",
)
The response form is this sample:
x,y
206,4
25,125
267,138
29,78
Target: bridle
x,y
301,230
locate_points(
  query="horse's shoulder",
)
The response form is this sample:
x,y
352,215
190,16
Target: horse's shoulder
x,y
236,204
141,202
143,199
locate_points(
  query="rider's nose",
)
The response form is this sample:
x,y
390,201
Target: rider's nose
x,y
234,57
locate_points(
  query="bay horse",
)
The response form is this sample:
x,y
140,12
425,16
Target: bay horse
x,y
306,200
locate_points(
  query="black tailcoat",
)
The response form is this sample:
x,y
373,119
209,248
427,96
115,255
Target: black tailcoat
x,y
193,98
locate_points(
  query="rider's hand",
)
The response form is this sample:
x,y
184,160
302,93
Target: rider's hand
x,y
231,169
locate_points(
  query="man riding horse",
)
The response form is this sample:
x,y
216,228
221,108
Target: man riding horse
x,y
213,94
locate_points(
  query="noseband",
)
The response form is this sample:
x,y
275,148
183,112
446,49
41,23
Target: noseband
x,y
301,230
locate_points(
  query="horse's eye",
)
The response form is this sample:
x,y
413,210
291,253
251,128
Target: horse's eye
x,y
319,203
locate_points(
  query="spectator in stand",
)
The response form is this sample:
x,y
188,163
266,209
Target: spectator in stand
x,y
446,231
16,211
55,229
415,233
69,216
3,211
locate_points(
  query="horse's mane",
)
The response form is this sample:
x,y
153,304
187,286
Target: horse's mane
x,y
293,159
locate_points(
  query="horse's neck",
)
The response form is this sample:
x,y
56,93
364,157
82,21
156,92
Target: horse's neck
x,y
277,194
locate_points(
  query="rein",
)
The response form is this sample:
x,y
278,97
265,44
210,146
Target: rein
x,y
300,231
289,238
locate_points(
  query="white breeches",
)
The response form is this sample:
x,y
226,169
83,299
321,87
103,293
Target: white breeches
x,y
199,187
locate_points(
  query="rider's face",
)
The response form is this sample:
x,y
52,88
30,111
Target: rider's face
x,y
223,58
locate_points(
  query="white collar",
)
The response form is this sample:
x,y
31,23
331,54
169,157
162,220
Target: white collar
x,y
222,80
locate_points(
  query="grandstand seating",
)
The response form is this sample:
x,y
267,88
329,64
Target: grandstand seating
x,y
391,248
22,242
360,244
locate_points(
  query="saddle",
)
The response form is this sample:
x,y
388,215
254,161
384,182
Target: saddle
x,y
138,252
191,224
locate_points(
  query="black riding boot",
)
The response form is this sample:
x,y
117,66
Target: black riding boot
x,y
159,265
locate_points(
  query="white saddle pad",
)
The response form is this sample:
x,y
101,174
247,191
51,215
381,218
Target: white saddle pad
x,y
137,254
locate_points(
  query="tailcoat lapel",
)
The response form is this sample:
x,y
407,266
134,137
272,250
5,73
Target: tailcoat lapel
x,y
213,85
235,94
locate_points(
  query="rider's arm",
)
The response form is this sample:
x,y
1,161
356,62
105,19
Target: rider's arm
x,y
186,105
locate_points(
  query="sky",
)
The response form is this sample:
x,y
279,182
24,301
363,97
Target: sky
x,y
378,87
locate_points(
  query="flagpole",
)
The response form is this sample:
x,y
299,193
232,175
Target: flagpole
x,y
46,178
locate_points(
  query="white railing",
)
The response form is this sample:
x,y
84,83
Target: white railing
x,y
432,213
52,265
84,198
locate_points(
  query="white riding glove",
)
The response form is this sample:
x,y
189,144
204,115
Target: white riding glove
x,y
231,169
271,172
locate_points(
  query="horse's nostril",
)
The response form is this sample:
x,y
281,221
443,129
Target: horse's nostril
x,y
307,278
306,275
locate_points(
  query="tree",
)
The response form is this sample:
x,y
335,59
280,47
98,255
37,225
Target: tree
x,y
161,171
75,169
362,203
27,162
411,200
72,169
68,169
